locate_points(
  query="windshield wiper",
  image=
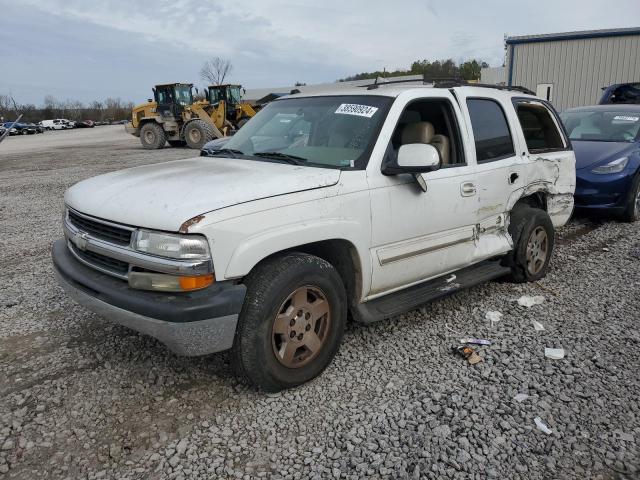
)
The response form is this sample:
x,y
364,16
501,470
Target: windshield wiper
x,y
292,159
224,151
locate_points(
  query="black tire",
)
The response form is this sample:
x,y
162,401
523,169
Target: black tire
x,y
152,136
632,210
526,227
269,287
197,133
242,121
177,143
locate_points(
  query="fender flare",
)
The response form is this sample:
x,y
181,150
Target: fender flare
x,y
258,247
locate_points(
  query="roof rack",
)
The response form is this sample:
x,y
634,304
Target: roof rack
x,y
450,82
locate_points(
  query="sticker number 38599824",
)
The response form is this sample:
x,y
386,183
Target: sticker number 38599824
x,y
355,109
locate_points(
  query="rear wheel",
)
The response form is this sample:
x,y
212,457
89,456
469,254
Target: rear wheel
x,y
632,211
197,133
292,322
152,136
533,238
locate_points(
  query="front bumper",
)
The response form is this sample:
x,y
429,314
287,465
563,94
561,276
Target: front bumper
x,y
609,191
190,323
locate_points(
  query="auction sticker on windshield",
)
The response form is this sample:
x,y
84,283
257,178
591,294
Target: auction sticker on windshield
x,y
625,118
355,109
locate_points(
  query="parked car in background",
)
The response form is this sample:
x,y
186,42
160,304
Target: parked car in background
x,y
36,127
57,124
364,201
85,124
606,140
621,93
22,128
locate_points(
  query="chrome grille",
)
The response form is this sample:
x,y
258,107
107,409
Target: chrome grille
x,y
102,263
98,229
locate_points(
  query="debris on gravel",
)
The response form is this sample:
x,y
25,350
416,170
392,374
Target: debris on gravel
x,y
82,398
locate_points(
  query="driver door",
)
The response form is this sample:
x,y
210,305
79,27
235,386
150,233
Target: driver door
x,y
420,235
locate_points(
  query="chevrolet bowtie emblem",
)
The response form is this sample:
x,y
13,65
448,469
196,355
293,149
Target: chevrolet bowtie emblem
x,y
80,239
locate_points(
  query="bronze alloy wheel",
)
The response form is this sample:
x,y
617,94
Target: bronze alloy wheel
x,y
301,327
537,250
195,135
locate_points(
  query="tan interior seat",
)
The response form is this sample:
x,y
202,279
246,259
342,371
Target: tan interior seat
x,y
442,144
423,132
417,132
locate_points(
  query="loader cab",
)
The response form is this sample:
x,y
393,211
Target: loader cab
x,y
229,93
173,98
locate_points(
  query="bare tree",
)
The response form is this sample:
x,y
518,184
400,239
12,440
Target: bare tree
x,y
216,70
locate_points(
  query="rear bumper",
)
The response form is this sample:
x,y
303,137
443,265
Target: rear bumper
x,y
129,128
190,324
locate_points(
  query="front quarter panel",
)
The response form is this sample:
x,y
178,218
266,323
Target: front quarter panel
x,y
240,237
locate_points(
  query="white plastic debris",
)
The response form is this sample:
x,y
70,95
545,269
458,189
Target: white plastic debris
x,y
554,353
493,317
538,326
521,397
527,301
451,278
541,426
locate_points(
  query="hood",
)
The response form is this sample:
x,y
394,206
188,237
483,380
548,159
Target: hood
x,y
591,153
165,195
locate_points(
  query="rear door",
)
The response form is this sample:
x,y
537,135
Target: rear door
x,y
550,161
500,164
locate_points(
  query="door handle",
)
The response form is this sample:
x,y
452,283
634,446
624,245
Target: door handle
x,y
467,189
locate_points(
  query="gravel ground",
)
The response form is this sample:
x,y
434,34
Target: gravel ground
x,y
81,398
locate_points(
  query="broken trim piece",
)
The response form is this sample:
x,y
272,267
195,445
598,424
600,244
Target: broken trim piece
x,y
184,228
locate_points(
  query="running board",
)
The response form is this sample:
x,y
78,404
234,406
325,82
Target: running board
x,y
408,299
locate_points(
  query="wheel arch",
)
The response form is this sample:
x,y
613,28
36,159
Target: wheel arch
x,y
342,253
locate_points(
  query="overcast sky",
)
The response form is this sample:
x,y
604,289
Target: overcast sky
x,y
76,49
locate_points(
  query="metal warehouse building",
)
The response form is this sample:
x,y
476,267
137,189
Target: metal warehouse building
x,y
570,69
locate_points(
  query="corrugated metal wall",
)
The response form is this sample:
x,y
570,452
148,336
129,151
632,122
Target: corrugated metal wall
x,y
578,69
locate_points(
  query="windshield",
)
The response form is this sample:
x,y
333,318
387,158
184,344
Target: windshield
x,y
183,95
602,125
337,131
234,95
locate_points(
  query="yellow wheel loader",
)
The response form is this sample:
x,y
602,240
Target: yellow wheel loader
x,y
227,108
173,117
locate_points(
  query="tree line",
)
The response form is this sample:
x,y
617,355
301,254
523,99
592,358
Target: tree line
x,y
469,70
110,109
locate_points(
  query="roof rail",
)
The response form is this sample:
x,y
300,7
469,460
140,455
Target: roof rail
x,y
450,82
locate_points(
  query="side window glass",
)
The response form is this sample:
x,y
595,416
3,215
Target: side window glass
x,y
540,131
431,121
490,130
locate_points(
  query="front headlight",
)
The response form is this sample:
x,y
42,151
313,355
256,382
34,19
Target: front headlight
x,y
614,166
180,247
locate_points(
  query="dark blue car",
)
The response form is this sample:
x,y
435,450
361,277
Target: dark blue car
x,y
606,141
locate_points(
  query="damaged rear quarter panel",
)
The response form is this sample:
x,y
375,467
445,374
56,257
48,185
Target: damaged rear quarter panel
x,y
554,174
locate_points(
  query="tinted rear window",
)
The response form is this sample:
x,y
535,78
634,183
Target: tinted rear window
x,y
490,130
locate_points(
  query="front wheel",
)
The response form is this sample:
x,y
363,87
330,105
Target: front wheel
x,y
533,239
632,210
292,322
197,133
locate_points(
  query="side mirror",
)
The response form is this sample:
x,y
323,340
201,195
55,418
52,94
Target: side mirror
x,y
414,158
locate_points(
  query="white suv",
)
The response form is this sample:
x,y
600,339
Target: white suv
x,y
363,203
